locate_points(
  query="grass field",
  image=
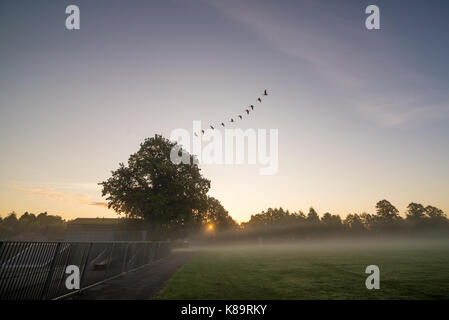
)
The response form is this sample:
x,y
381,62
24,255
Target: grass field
x,y
419,271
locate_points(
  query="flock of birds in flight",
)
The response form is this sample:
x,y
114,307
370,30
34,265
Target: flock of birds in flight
x,y
265,93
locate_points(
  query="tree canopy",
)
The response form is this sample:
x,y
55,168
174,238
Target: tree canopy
x,y
169,196
281,224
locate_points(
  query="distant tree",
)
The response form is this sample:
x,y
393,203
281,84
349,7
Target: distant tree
x,y
436,218
217,215
268,218
10,221
27,219
2,228
386,211
434,213
168,196
386,219
9,226
46,221
368,220
415,211
331,220
277,216
299,216
354,222
312,216
326,217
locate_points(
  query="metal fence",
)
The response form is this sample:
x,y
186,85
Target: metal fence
x,y
37,270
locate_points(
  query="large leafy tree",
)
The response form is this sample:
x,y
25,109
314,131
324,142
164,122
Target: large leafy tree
x,y
386,212
170,197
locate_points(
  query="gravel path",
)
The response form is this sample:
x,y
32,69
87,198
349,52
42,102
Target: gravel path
x,y
142,284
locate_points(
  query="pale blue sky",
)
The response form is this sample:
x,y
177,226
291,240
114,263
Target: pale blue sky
x,y
362,115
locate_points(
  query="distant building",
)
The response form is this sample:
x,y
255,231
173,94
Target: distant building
x,y
103,229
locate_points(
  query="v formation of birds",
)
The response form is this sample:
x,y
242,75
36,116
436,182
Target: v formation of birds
x,y
240,116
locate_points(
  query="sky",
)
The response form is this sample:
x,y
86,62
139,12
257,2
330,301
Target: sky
x,y
361,114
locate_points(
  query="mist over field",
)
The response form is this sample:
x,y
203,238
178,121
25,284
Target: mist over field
x,y
336,269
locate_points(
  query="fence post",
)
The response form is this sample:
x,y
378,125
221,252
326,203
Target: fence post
x,y
156,253
50,273
69,248
1,251
144,251
153,251
125,257
85,266
148,253
109,261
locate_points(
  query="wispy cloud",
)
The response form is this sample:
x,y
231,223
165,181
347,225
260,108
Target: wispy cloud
x,y
395,113
363,66
53,194
99,204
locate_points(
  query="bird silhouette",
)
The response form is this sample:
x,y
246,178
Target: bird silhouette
x,y
265,93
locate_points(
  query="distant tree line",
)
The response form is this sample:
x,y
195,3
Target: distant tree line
x,y
274,224
29,227
32,227
280,223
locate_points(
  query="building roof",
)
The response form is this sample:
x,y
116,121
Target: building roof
x,y
95,221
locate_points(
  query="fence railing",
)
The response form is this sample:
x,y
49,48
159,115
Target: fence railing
x,y
37,270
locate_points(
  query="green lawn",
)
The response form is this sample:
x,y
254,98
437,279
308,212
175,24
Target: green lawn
x,y
312,272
